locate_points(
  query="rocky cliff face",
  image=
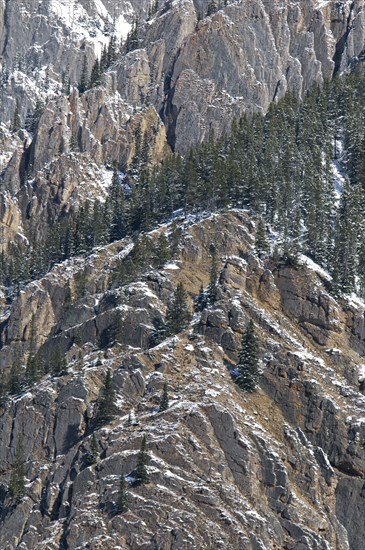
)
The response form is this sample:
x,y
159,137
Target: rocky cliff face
x,y
190,76
280,468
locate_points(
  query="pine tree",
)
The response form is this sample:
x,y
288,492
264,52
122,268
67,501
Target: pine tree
x,y
142,461
105,407
212,293
15,381
175,238
84,77
164,401
66,81
347,238
361,266
112,49
162,251
33,369
73,145
247,365
58,363
38,111
261,243
95,75
178,315
16,125
17,477
28,120
118,225
132,420
121,504
93,453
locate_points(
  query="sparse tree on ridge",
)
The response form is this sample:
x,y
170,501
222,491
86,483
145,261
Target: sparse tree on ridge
x,y
93,453
121,504
105,407
213,282
143,459
164,401
178,314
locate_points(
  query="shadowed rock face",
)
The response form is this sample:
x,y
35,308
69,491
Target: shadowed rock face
x,y
190,77
280,468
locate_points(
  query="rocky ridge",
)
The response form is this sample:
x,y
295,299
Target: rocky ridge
x,y
190,76
281,468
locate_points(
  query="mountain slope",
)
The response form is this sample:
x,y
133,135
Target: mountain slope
x,y
281,468
94,95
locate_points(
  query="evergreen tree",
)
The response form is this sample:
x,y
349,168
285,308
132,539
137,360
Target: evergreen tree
x,y
247,365
58,363
95,74
347,238
261,243
105,407
121,504
84,77
35,116
175,238
132,420
213,282
15,382
142,461
28,120
16,124
33,369
112,49
361,266
66,81
118,222
178,315
93,453
164,401
162,251
73,145
17,477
